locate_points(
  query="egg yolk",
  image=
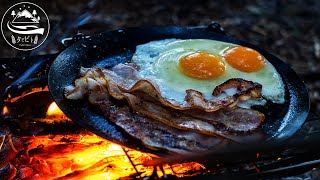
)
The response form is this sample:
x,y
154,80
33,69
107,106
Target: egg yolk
x,y
201,65
244,59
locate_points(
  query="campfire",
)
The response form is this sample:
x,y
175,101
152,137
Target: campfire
x,y
75,154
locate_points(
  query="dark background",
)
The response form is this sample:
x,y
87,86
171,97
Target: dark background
x,y
287,28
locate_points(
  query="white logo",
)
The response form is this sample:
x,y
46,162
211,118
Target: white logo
x,y
25,26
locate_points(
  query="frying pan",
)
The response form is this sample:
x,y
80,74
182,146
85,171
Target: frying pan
x,y
110,48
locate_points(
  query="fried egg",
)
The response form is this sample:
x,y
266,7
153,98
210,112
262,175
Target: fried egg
x,y
176,65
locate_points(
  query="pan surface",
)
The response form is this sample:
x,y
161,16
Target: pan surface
x,y
110,48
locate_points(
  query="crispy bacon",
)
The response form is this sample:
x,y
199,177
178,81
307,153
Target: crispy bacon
x,y
220,118
243,87
120,82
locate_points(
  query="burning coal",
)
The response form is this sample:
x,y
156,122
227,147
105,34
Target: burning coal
x,y
77,155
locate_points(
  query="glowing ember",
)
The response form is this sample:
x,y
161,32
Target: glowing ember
x,y
54,110
33,90
5,110
86,156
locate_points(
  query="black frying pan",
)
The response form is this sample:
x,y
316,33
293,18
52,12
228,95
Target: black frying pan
x,y
110,48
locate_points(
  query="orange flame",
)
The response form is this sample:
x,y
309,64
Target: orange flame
x,y
87,156
5,110
54,110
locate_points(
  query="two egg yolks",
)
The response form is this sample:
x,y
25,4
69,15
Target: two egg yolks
x,y
204,66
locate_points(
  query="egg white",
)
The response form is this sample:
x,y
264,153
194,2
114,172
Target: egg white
x,y
158,61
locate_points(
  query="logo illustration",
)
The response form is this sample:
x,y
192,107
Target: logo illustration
x,y
25,26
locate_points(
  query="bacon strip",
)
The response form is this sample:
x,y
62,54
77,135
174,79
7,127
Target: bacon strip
x,y
226,122
243,87
157,135
119,82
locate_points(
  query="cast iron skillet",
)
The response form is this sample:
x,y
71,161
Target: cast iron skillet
x,y
110,48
